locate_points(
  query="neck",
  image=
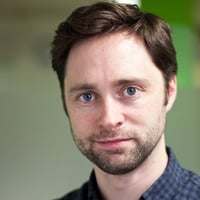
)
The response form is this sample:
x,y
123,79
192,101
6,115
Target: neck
x,y
131,186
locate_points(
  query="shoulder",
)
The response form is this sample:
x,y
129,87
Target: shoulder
x,y
193,180
190,186
186,183
78,194
87,190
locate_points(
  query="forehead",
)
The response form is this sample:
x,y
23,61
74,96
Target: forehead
x,y
114,55
104,43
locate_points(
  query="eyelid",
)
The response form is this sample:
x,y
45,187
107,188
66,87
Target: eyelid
x,y
81,93
129,86
85,101
126,90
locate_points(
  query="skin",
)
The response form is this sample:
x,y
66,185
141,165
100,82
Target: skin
x,y
115,97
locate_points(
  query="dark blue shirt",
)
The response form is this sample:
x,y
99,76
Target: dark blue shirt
x,y
175,183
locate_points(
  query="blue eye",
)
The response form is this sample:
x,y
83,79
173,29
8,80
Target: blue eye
x,y
87,97
130,91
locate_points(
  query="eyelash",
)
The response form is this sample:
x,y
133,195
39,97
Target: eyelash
x,y
121,94
87,93
126,90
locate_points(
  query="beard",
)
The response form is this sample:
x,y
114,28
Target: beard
x,y
122,160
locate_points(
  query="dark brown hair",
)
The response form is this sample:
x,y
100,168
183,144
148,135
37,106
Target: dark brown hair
x,y
106,18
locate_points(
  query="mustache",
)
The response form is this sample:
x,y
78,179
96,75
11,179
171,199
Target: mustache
x,y
104,134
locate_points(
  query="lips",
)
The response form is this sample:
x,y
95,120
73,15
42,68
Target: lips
x,y
114,143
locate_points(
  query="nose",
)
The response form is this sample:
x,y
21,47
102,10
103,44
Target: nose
x,y
111,115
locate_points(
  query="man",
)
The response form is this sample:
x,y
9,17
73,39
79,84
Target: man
x,y
117,71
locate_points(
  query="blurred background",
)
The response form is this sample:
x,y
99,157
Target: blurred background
x,y
38,160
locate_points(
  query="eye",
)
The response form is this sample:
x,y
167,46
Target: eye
x,y
87,97
130,91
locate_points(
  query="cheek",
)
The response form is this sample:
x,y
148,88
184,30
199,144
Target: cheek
x,y
145,114
81,123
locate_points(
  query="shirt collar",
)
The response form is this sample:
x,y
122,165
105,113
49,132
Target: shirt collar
x,y
164,188
93,191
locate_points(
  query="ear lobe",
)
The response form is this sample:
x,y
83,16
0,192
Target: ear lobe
x,y
172,92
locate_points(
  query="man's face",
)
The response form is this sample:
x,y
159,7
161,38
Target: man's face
x,y
115,98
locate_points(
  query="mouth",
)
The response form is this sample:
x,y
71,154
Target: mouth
x,y
114,143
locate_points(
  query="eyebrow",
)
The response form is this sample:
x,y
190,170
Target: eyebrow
x,y
135,81
82,87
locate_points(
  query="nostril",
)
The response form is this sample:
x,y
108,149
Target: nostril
x,y
113,122
111,115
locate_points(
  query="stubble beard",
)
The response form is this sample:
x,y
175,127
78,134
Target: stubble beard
x,y
119,161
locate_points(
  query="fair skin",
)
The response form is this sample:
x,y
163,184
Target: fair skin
x,y
115,100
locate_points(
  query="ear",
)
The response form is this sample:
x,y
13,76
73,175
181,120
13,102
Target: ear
x,y
172,92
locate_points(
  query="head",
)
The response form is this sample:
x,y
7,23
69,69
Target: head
x,y
117,67
106,18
